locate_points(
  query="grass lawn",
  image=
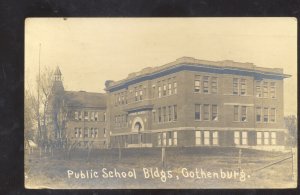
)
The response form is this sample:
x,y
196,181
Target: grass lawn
x,y
215,168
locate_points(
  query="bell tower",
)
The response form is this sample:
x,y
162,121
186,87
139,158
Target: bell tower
x,y
56,100
58,87
57,74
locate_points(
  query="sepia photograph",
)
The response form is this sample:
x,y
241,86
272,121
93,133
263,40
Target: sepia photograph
x,y
160,103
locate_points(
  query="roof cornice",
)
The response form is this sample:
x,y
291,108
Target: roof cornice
x,y
257,74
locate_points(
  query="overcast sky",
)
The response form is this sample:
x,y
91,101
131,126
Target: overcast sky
x,y
90,51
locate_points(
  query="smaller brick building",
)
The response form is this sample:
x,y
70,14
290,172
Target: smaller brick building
x,y
77,116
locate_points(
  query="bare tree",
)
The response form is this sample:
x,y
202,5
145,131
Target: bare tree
x,y
37,102
44,84
29,116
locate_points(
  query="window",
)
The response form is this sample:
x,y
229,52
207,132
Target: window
x,y
136,95
96,116
86,132
175,87
104,116
175,138
273,90
237,138
131,95
175,112
92,116
206,138
164,90
273,138
76,115
215,138
169,89
206,112
259,138
265,89
154,116
164,114
170,113
104,132
116,120
124,101
258,114
273,115
170,138
164,138
205,84
141,94
86,115
214,85
123,120
197,87
159,115
76,132
243,113
144,91
122,98
258,89
92,132
159,139
119,99
197,111
80,115
214,115
153,91
266,138
236,113
244,138
96,132
266,113
198,137
243,87
79,132
159,91
235,86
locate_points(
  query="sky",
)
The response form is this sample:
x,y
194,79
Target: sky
x,y
90,51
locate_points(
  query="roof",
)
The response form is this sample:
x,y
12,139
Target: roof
x,y
188,63
85,99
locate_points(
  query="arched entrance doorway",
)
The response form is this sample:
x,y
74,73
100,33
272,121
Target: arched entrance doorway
x,y
138,127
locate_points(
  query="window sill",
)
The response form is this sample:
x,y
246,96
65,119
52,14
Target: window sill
x,y
266,98
246,95
164,96
206,93
168,122
206,120
266,122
